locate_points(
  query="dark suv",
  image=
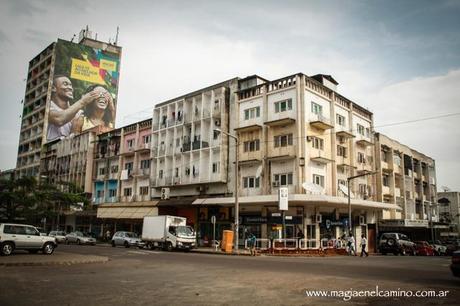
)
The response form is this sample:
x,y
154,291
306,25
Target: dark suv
x,y
396,243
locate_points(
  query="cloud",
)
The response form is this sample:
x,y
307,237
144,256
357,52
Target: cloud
x,y
418,99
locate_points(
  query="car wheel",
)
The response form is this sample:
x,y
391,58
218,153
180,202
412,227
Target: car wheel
x,y
7,248
391,242
78,241
113,244
126,245
48,248
168,246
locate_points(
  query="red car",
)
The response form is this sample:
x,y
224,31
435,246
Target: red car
x,y
423,248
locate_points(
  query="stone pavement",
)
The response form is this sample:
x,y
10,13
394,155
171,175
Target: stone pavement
x,y
58,258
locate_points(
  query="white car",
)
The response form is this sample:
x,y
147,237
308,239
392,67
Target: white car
x,y
24,237
126,239
79,238
59,235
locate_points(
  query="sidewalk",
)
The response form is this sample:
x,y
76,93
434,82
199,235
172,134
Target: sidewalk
x,y
204,250
59,258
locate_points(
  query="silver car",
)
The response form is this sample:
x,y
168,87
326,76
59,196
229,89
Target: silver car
x,y
59,235
79,238
24,237
126,239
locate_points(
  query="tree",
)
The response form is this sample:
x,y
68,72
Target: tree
x,y
17,198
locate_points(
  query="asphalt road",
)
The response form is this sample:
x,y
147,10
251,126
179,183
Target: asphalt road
x,y
144,277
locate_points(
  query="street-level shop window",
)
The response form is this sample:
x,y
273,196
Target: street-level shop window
x,y
282,106
283,140
283,179
127,192
318,180
251,182
144,190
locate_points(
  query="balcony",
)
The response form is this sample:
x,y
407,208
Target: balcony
x,y
249,127
386,191
320,122
363,140
97,201
319,156
281,152
143,172
111,199
143,147
250,155
143,198
113,176
342,131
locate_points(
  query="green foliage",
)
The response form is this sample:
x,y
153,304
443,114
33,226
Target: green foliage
x,y
26,199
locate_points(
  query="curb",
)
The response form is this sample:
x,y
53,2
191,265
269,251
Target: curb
x,y
102,259
219,253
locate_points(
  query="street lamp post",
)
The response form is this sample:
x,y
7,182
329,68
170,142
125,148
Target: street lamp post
x,y
349,179
237,205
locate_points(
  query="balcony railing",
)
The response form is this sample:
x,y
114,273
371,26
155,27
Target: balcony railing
x,y
321,122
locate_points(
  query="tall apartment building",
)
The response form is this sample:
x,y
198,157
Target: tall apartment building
x,y
406,178
36,103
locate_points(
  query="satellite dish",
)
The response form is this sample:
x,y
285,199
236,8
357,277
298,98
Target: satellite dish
x,y
345,190
259,171
313,188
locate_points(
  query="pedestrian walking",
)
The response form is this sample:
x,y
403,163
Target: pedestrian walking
x,y
363,245
108,235
252,243
351,245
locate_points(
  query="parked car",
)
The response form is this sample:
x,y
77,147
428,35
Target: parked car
x,y
439,248
59,235
126,239
79,238
455,265
396,243
423,248
24,237
452,246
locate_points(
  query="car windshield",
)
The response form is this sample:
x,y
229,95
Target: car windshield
x,y
131,235
184,230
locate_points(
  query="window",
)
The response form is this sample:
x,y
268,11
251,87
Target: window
x,y
360,129
362,189
316,108
130,143
368,132
253,145
361,158
114,169
127,192
341,151
341,120
318,180
160,174
386,181
178,142
251,113
283,106
101,171
251,182
283,140
397,160
317,143
112,193
31,231
283,179
99,193
342,182
216,167
146,139
145,164
144,190
129,166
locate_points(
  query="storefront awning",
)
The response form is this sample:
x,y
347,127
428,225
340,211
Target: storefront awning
x,y
339,202
134,210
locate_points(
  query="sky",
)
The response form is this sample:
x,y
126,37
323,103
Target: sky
x,y
399,59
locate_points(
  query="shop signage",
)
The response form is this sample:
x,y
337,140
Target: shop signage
x,y
283,198
254,220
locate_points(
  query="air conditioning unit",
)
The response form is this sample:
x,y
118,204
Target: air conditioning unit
x,y
165,193
362,220
217,122
276,184
318,218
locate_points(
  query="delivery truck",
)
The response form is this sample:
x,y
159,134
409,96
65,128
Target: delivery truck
x,y
168,233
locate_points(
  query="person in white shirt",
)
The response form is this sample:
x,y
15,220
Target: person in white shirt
x,y
351,245
363,245
61,113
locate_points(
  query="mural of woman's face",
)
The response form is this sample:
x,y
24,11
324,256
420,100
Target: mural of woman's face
x,y
102,101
